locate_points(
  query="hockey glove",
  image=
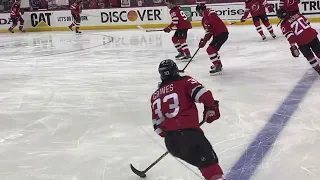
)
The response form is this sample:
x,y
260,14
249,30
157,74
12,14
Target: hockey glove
x,y
243,19
167,29
270,9
202,43
294,51
22,11
211,113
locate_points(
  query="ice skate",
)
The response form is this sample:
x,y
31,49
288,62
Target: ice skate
x,y
70,27
78,32
186,58
179,56
216,70
11,30
21,29
263,38
273,36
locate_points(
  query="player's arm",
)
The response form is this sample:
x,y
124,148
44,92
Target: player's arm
x,y
200,94
288,33
208,32
246,13
267,5
174,22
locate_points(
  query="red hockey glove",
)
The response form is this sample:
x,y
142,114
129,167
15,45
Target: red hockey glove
x,y
167,29
202,43
294,51
211,113
270,9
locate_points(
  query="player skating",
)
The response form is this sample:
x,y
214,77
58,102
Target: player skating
x,y
298,31
175,117
215,28
75,12
181,22
290,6
257,10
15,16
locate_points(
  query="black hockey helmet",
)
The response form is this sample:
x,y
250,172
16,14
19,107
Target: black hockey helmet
x,y
168,69
200,8
281,13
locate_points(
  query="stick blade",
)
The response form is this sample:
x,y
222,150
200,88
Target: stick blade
x,y
137,172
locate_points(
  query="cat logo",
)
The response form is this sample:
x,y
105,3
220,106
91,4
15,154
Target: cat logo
x,y
41,19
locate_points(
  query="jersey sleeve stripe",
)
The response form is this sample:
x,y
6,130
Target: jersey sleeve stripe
x,y
197,92
157,122
288,34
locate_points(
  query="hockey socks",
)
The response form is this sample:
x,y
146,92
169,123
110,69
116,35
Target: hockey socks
x,y
177,44
184,47
212,172
213,55
259,28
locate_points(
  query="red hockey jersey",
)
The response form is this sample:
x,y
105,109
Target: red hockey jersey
x,y
15,11
297,29
212,23
256,8
179,19
173,105
290,5
75,8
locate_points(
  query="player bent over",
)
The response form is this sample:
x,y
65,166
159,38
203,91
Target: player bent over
x,y
181,22
75,12
16,16
257,10
215,27
175,117
298,31
290,6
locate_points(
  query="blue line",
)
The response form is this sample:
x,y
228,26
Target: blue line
x,y
245,167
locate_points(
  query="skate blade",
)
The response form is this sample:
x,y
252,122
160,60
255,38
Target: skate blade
x,y
185,60
216,74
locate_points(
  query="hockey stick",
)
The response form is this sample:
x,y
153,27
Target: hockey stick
x,y
182,70
236,22
150,30
142,174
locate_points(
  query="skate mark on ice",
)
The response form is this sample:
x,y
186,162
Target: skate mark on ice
x,y
245,167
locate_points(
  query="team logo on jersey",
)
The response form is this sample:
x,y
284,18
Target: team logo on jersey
x,y
255,7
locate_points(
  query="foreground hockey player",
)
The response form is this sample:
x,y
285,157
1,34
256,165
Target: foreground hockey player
x,y
175,117
181,22
75,12
215,27
258,12
298,31
290,6
15,16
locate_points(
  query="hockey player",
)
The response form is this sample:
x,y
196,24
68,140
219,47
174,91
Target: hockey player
x,y
175,117
181,22
75,12
298,31
215,27
257,10
290,6
16,16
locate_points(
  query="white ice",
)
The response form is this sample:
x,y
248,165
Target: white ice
x,y
76,107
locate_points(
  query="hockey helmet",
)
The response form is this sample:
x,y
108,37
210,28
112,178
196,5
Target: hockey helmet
x,y
200,8
168,69
171,3
281,13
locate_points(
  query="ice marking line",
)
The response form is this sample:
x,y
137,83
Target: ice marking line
x,y
245,167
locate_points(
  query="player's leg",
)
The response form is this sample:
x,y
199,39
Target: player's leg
x,y
315,46
73,22
14,24
267,24
78,21
213,52
256,22
192,146
307,53
21,21
182,36
177,45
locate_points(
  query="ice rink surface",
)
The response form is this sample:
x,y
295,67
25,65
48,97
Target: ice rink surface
x,y
76,107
